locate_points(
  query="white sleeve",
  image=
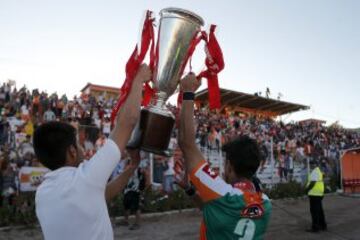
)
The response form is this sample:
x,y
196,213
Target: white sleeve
x,y
98,169
208,184
314,176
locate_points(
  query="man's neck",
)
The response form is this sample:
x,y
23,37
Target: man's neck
x,y
244,184
239,180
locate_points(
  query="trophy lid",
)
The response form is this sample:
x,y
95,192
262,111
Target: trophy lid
x,y
179,12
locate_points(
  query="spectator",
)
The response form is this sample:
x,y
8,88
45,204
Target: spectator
x,y
160,167
8,181
107,127
168,183
282,169
22,110
131,199
100,141
49,115
26,147
289,165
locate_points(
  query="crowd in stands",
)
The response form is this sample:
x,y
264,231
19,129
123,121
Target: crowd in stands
x,y
281,144
22,110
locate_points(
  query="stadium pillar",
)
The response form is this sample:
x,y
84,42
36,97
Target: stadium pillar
x,y
151,158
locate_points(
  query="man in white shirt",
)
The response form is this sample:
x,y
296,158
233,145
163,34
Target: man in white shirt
x,y
24,110
169,174
15,122
71,201
49,116
106,127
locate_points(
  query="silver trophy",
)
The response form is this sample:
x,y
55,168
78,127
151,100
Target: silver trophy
x,y
178,28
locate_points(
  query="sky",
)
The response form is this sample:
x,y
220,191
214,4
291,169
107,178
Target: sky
x,y
309,51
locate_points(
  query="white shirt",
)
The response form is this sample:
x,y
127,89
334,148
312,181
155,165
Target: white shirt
x,y
173,143
19,138
97,122
107,127
24,110
218,136
300,151
314,176
49,116
70,202
170,171
15,123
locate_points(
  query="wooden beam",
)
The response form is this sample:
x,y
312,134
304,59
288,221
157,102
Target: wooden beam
x,y
234,99
270,105
225,94
286,109
289,109
247,100
281,107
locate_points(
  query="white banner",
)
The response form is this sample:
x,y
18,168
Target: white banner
x,y
31,177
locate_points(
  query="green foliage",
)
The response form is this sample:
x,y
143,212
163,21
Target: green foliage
x,y
291,189
333,183
154,201
21,210
116,207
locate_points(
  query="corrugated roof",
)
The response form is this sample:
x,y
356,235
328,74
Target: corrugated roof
x,y
252,102
100,88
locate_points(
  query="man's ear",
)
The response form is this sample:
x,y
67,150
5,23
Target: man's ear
x,y
72,152
230,169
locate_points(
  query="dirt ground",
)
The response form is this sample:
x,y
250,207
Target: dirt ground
x,y
289,220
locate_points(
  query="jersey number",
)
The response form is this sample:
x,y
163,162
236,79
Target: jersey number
x,y
245,228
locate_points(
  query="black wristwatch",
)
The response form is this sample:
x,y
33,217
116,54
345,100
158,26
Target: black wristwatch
x,y
188,96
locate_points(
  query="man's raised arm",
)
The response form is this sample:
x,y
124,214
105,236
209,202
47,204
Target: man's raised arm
x,y
209,185
129,113
192,154
101,165
118,184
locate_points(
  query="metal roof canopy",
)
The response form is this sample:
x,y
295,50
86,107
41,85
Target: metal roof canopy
x,y
256,104
100,88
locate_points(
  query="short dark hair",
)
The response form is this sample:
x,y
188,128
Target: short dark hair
x,y
51,141
244,156
314,162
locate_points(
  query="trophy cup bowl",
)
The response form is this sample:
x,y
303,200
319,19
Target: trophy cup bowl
x,y
178,28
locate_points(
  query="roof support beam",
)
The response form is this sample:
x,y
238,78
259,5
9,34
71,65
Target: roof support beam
x,y
199,94
292,109
266,106
285,106
232,100
225,94
251,102
252,98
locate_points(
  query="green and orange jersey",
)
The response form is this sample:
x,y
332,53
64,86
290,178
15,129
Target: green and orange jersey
x,y
229,212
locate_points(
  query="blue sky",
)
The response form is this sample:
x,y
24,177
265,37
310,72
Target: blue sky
x,y
307,50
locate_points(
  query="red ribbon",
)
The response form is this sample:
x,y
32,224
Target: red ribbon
x,y
191,50
135,60
214,62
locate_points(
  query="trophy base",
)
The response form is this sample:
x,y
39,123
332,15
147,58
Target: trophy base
x,y
152,133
